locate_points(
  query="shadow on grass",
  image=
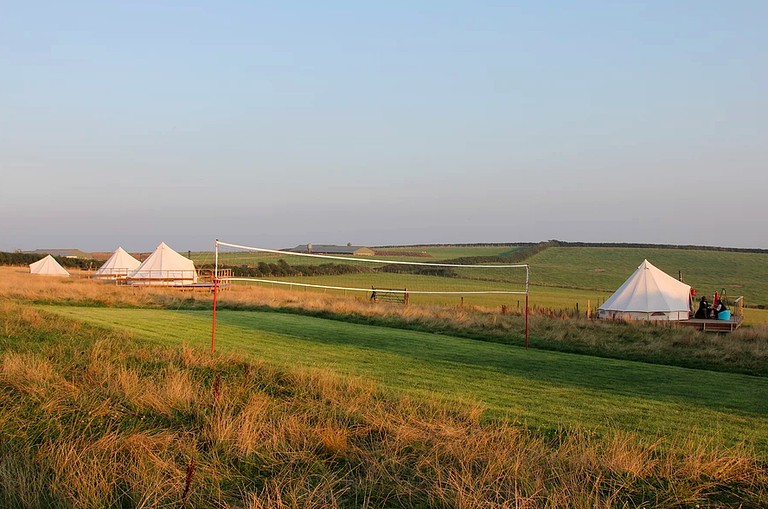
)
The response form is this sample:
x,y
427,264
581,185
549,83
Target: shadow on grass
x,y
714,390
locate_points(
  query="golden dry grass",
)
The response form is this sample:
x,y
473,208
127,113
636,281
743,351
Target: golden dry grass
x,y
93,420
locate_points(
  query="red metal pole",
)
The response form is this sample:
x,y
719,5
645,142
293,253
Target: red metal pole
x,y
213,324
526,320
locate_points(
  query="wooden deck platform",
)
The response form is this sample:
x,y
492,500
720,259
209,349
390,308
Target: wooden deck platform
x,y
204,285
712,325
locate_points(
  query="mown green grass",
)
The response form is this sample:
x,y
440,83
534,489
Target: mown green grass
x,y
542,389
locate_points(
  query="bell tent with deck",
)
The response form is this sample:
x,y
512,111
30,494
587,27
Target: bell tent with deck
x,y
48,266
120,264
164,267
648,294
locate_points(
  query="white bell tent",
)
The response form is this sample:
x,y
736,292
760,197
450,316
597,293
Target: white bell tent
x,y
120,264
648,294
48,266
164,267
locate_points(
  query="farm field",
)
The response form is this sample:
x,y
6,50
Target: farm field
x,y
605,268
432,254
543,389
601,269
548,297
441,253
540,296
564,277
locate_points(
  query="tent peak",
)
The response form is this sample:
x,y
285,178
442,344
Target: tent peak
x,y
165,267
650,294
47,266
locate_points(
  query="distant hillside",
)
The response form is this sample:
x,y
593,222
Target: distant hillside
x,y
563,243
559,243
606,267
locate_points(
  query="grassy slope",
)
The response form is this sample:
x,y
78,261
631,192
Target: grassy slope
x,y
435,254
606,268
549,297
563,277
545,389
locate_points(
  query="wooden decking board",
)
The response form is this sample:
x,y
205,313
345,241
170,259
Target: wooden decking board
x,y
710,325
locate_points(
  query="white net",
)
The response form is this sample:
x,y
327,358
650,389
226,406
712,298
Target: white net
x,y
403,277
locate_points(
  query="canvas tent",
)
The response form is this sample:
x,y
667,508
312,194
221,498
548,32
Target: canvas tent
x,y
164,267
648,294
120,264
48,266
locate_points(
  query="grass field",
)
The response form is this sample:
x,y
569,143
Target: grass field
x,y
416,283
109,398
550,297
540,296
542,389
441,253
96,416
567,277
430,254
606,268
745,351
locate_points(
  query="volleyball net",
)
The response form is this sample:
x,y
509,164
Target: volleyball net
x,y
391,276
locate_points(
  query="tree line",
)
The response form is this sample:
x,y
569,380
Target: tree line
x,y
27,258
281,268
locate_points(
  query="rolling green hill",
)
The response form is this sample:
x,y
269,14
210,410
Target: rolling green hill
x,y
605,268
564,277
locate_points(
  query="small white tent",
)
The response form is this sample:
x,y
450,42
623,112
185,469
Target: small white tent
x,y
119,264
648,294
164,267
48,266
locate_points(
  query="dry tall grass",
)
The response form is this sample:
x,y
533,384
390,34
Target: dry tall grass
x,y
91,418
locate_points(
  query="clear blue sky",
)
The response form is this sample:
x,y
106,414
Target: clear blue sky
x,y
274,124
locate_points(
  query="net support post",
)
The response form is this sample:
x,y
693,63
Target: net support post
x,y
215,297
527,277
526,320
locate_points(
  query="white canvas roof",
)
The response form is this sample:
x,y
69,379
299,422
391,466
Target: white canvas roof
x,y
649,290
48,266
165,267
119,264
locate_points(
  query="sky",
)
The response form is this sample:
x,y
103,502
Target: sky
x,y
273,124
